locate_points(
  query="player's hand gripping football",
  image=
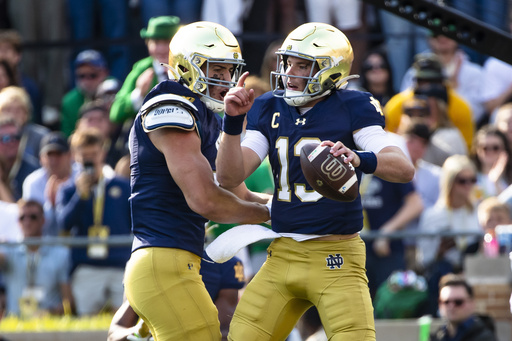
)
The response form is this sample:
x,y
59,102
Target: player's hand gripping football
x,y
339,148
239,100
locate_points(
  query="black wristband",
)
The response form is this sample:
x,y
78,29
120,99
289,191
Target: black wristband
x,y
368,161
233,125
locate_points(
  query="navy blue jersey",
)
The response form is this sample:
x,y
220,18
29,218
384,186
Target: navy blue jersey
x,y
296,207
160,214
218,276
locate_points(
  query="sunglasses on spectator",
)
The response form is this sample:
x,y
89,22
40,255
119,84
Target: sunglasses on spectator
x,y
417,112
491,148
8,138
458,302
368,67
32,217
92,75
465,181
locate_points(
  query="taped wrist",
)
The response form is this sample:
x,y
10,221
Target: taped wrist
x,y
233,125
368,163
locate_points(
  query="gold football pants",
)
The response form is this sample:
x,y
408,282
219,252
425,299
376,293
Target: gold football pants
x,y
165,289
328,274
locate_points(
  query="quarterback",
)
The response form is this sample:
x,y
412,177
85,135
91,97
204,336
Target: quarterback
x,y
320,258
173,150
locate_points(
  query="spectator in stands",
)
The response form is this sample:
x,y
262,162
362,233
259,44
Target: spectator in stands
x,y
114,25
463,76
7,77
426,178
497,80
107,91
270,62
347,15
147,72
504,121
430,81
90,70
18,164
226,13
5,188
389,207
44,23
403,40
11,51
189,11
15,103
458,310
455,212
491,213
493,159
9,228
96,205
44,184
445,140
223,282
95,115
493,13
37,277
122,167
376,76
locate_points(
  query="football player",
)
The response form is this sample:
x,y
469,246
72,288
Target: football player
x,y
173,151
222,280
320,259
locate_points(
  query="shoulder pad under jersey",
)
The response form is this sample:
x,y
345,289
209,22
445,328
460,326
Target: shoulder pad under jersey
x,y
168,111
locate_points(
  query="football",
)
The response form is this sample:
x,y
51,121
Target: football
x,y
328,175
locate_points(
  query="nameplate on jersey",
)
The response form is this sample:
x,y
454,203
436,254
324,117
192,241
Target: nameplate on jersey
x,y
168,111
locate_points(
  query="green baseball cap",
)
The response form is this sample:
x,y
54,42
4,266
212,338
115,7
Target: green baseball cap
x,y
161,27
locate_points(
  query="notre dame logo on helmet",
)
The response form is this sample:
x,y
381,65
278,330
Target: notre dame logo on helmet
x,y
235,55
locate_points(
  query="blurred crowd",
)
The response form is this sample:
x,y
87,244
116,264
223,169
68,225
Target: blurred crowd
x,y
73,75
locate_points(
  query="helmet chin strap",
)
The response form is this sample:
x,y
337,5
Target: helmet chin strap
x,y
342,83
297,98
299,101
173,73
212,104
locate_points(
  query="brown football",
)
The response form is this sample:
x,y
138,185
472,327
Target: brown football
x,y
328,175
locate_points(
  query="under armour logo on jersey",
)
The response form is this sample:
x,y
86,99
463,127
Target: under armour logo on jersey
x,y
335,261
300,121
190,265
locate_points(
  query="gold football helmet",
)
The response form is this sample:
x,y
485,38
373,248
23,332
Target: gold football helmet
x,y
328,49
204,42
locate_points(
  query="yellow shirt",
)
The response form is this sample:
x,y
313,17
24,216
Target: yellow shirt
x,y
459,112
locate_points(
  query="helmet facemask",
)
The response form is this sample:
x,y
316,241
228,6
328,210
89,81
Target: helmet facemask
x,y
203,82
312,90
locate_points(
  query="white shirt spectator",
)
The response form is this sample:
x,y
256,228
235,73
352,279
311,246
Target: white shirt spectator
x,y
497,80
10,230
